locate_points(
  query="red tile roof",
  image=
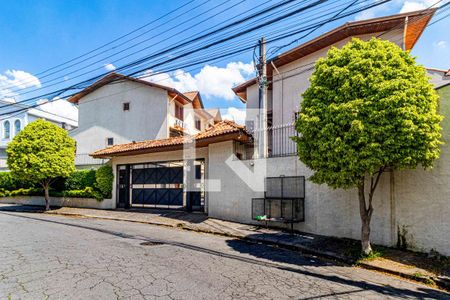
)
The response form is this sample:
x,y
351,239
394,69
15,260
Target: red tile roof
x,y
222,131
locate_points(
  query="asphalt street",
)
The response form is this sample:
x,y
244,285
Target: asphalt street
x,y
55,257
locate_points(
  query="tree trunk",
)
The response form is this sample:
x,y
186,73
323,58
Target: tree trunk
x,y
46,196
365,220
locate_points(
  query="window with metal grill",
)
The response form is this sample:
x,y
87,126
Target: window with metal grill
x,y
126,106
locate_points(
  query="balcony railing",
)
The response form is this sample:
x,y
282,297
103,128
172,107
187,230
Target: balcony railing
x,y
83,159
279,140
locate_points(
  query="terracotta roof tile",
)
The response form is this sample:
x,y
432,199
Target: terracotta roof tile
x,y
219,129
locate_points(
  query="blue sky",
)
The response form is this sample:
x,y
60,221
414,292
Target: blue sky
x,y
37,35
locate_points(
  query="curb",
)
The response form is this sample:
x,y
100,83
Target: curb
x,y
443,284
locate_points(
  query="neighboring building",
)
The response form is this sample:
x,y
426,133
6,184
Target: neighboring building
x,y
14,122
413,204
119,109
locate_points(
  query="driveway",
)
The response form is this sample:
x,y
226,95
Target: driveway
x,y
55,257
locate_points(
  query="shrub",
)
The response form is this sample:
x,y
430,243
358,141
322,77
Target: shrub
x,y
87,192
80,179
104,178
8,182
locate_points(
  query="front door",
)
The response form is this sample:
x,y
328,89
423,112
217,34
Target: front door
x,y
123,186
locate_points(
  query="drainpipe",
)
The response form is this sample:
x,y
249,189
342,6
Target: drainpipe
x,y
393,220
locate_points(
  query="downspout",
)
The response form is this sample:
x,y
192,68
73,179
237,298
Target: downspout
x,y
405,29
282,102
393,220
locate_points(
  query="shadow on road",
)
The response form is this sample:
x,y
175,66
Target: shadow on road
x,y
268,257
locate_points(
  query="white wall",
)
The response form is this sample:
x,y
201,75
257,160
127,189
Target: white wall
x,y
101,115
59,202
420,201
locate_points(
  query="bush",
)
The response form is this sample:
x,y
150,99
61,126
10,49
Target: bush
x,y
8,182
88,192
25,192
79,180
104,178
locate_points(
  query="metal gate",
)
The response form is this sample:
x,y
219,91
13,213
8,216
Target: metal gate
x,y
160,185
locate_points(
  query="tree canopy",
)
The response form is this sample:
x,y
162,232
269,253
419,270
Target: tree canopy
x,y
369,106
41,153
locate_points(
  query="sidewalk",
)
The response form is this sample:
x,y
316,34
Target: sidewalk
x,y
406,264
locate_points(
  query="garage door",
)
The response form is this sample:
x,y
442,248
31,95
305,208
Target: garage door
x,y
157,185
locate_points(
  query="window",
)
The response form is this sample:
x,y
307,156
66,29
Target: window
x,y
126,106
179,111
6,130
17,126
198,124
110,141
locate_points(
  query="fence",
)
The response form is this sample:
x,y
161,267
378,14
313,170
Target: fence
x,y
83,159
279,140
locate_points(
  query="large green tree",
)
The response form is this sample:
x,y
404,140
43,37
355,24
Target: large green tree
x,y
41,153
370,108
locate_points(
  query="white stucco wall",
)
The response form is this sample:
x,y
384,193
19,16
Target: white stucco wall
x,y
59,202
420,201
101,115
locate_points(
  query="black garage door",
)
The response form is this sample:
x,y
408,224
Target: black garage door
x,y
157,185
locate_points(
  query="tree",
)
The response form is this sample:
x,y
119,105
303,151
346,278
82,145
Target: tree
x,y
369,109
41,153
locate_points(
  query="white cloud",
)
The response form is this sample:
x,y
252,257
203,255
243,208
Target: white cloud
x,y
11,81
440,44
412,5
110,67
372,12
234,114
59,107
391,7
211,81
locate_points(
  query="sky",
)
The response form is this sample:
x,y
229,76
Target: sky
x,y
38,35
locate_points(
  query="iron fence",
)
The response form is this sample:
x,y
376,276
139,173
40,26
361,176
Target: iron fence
x,y
279,140
83,159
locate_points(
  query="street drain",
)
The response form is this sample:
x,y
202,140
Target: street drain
x,y
149,243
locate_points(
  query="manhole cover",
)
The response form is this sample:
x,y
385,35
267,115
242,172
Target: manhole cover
x,y
149,243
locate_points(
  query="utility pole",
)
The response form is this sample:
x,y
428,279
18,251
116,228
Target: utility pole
x,y
262,79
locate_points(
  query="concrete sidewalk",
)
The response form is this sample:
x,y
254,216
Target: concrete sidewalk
x,y
328,247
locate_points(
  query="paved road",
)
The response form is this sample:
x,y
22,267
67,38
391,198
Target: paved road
x,y
55,257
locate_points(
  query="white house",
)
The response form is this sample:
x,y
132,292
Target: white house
x,y
413,205
119,109
13,122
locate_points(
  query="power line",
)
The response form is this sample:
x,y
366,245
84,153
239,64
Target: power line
x,y
115,40
280,37
185,41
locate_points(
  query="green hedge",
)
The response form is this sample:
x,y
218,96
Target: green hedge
x,y
80,184
7,182
104,178
81,179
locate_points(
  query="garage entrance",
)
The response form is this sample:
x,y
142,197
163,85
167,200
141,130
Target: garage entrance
x,y
161,185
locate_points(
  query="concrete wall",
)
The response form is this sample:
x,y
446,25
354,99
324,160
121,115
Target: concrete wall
x,y
101,115
419,200
59,202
